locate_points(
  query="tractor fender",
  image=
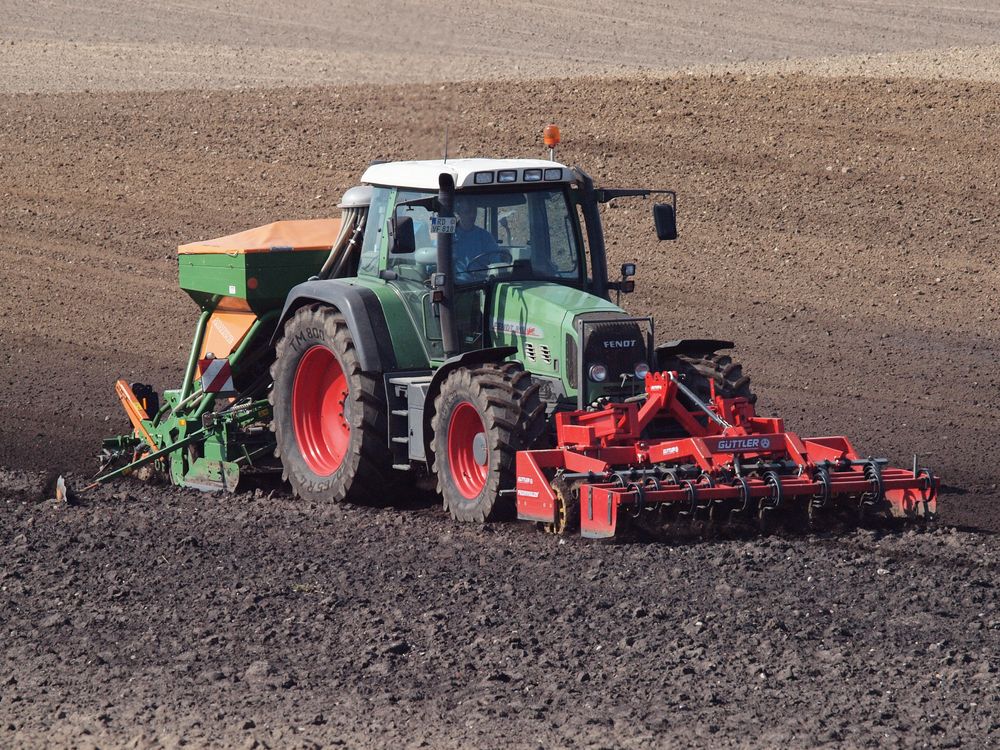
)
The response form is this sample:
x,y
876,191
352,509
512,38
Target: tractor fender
x,y
361,309
692,346
468,359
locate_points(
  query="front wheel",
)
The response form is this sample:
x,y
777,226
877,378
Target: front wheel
x,y
329,416
482,417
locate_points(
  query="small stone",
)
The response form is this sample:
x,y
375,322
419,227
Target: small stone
x,y
54,621
694,627
259,673
786,673
398,647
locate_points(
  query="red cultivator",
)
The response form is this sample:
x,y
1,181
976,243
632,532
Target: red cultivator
x,y
728,466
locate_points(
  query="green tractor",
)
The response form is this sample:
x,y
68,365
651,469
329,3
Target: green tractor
x,y
471,305
430,333
455,328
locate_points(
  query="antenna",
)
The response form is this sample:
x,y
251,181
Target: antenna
x,y
446,144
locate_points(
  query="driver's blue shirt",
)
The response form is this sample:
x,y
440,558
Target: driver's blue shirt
x,y
468,243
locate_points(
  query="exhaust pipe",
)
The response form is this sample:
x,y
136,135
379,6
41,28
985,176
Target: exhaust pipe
x,y
444,280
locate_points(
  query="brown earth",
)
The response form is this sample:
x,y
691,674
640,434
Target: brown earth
x,y
841,230
111,45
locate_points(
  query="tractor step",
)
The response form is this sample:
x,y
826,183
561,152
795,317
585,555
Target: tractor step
x,y
406,393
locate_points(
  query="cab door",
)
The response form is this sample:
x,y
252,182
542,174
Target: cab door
x,y
411,260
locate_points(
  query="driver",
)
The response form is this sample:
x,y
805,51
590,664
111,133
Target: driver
x,y
470,240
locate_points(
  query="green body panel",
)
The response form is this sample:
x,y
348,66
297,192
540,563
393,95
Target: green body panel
x,y
412,348
537,317
208,475
204,276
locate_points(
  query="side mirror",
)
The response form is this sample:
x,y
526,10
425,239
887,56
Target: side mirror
x,y
403,238
665,220
628,269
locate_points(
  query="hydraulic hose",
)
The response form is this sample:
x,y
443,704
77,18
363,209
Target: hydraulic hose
x,y
352,223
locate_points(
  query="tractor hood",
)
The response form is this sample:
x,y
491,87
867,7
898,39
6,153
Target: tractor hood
x,y
538,318
559,332
541,312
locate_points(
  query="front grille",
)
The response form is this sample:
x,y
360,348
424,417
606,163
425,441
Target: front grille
x,y
617,344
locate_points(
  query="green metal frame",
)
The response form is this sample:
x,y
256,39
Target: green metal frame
x,y
186,419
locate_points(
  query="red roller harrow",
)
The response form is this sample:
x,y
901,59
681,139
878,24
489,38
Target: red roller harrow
x,y
728,466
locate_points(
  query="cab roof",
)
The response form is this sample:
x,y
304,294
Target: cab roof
x,y
423,175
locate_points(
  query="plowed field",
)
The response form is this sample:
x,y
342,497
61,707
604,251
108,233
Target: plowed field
x,y
841,230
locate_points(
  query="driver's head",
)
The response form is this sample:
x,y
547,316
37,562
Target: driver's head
x,y
465,210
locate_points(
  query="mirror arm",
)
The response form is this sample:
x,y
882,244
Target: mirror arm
x,y
606,194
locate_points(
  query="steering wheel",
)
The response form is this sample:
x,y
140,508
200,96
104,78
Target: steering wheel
x,y
498,252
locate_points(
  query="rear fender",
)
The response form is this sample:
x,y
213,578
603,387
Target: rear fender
x,y
361,309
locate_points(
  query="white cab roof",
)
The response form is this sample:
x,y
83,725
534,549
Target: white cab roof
x,y
423,175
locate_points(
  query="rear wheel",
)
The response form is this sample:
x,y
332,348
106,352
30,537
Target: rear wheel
x,y
482,417
329,416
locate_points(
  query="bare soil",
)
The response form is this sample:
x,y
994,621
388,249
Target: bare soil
x,y
113,45
841,230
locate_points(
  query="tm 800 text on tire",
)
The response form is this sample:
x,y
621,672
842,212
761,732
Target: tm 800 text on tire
x,y
329,415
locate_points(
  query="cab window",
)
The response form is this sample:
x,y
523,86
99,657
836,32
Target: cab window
x,y
413,252
375,230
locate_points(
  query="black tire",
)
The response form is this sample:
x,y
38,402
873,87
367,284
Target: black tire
x,y
365,463
511,417
697,371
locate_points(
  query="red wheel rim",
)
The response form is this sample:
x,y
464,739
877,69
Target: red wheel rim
x,y
467,472
319,410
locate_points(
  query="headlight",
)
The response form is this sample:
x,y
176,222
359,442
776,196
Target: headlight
x,y
641,370
598,373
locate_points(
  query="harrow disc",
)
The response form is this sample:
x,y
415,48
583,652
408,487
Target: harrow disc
x,y
567,497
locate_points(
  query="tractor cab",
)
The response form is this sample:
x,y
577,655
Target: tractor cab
x,y
513,219
499,257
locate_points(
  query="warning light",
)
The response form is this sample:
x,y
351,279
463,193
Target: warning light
x,y
252,283
551,136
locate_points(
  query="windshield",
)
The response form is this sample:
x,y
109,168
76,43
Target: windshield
x,y
523,235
